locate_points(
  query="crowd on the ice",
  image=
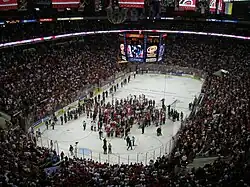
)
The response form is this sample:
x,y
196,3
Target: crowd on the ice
x,y
219,128
118,117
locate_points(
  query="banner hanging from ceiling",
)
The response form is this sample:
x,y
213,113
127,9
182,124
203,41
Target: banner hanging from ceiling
x,y
8,4
131,3
187,5
212,6
62,4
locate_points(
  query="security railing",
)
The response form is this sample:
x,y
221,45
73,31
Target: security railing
x,y
113,158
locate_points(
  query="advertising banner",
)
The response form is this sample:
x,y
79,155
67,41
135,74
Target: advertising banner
x,y
152,48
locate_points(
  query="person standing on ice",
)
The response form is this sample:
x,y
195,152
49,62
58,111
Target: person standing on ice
x,y
142,128
53,125
62,155
84,125
92,125
181,116
104,149
104,141
133,140
130,145
47,125
100,134
109,148
71,149
127,140
51,144
61,118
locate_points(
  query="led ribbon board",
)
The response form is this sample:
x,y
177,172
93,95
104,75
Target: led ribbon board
x,y
36,40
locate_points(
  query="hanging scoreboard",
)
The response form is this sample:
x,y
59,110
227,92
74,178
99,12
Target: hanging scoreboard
x,y
138,47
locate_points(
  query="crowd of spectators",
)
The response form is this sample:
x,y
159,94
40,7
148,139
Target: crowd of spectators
x,y
219,128
55,74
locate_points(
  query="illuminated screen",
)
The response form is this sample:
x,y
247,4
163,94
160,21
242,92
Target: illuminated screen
x,y
152,48
122,53
161,52
135,51
135,47
141,47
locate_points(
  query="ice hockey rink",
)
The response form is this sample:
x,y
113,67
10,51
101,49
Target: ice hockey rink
x,y
176,90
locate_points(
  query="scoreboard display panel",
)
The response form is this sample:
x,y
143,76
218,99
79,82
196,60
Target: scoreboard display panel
x,y
162,47
138,47
122,53
135,47
152,48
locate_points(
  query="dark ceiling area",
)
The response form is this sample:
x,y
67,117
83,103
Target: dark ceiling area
x,y
97,9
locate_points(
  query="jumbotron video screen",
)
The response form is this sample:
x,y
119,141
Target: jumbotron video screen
x,y
138,47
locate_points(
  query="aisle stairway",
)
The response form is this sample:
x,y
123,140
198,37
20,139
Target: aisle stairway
x,y
200,162
3,119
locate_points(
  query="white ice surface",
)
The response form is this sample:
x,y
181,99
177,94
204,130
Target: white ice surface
x,y
148,145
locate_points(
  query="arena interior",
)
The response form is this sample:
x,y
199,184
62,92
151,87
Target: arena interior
x,y
153,99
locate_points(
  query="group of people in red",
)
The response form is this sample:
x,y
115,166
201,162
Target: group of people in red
x,y
117,117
